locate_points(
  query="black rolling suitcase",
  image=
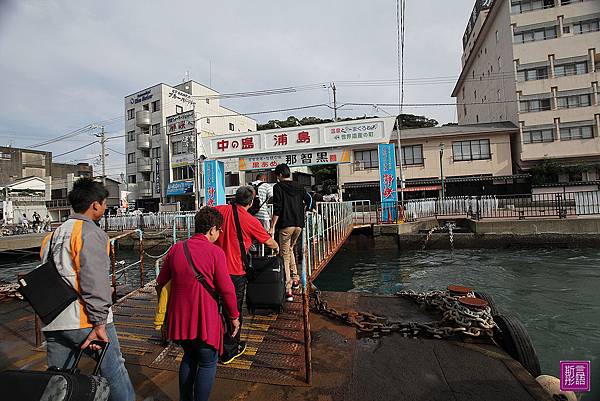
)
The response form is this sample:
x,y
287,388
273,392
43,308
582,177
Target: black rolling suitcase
x,y
266,284
55,384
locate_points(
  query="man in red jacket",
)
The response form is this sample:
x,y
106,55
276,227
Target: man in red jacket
x,y
252,230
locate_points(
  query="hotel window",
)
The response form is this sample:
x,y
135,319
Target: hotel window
x,y
517,7
471,150
231,127
532,74
130,136
412,155
183,173
131,179
155,152
535,35
177,148
586,26
537,136
156,129
130,114
146,107
131,158
156,105
536,105
178,109
567,102
571,69
585,132
367,159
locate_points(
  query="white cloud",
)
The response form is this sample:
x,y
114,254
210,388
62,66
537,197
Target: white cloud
x,y
67,63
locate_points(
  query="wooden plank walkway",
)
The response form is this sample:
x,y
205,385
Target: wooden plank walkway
x,y
275,353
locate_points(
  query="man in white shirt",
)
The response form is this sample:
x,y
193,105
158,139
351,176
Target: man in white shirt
x,y
264,193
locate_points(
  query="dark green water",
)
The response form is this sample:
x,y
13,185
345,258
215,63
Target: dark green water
x,y
554,292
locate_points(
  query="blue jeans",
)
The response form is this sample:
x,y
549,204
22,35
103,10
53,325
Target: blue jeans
x,y
197,370
63,346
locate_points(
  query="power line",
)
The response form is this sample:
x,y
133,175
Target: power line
x,y
75,150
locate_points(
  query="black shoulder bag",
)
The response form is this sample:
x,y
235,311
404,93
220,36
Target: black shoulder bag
x,y
238,228
46,290
199,276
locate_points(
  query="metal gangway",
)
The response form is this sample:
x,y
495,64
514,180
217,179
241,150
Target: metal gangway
x,y
278,345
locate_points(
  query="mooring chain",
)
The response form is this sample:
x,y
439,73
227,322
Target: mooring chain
x,y
473,321
10,290
466,321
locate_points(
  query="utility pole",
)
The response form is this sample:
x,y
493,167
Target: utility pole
x,y
103,153
334,102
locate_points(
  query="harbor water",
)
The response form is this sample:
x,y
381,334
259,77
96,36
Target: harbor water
x,y
554,292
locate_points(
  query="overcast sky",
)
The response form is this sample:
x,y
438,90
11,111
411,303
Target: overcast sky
x,y
68,63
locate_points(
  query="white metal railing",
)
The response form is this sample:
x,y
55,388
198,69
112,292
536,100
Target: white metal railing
x,y
325,231
147,221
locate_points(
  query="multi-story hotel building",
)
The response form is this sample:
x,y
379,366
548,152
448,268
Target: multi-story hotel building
x,y
536,63
151,150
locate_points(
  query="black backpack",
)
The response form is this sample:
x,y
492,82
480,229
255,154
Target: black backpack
x,y
256,205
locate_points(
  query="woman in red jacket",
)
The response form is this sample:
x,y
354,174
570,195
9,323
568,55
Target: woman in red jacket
x,y
193,318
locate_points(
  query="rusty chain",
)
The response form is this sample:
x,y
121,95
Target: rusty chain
x,y
457,319
10,291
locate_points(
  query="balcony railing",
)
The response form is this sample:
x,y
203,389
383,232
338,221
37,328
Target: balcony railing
x,y
144,164
142,118
145,188
143,141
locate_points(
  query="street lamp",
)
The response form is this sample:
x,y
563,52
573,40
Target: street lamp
x,y
442,169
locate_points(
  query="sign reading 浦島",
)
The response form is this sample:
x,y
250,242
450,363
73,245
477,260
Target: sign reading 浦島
x,y
295,159
388,184
181,122
305,138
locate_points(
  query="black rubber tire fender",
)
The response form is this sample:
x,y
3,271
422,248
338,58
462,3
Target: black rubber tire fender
x,y
517,343
490,300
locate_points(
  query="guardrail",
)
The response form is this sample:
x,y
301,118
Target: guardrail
x,y
146,221
551,205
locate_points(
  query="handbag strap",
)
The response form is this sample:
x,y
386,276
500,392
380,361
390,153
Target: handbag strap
x,y
238,229
199,276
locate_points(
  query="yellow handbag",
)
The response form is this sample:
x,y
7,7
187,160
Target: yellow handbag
x,y
161,306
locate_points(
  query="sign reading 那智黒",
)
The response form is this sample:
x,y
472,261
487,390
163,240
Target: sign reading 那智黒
x,y
295,159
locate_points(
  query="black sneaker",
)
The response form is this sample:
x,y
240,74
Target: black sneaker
x,y
241,349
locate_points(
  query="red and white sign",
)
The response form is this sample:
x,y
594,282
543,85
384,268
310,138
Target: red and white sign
x,y
309,137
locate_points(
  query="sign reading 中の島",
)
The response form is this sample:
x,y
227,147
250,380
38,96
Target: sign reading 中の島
x,y
295,159
388,185
305,138
214,183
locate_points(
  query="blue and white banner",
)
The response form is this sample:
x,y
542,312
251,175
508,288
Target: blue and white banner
x,y
214,183
388,184
180,188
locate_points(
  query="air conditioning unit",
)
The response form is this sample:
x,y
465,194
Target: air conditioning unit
x,y
359,165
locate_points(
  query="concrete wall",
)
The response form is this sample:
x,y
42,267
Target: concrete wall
x,y
537,226
488,91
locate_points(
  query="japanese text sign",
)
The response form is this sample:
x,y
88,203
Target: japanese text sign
x,y
299,139
181,122
295,159
388,184
214,183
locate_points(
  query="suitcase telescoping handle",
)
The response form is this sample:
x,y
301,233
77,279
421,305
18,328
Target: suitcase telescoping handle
x,y
103,347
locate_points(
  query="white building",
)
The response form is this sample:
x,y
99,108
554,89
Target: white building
x,y
152,162
536,63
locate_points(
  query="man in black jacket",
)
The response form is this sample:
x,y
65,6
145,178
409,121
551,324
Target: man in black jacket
x,y
290,200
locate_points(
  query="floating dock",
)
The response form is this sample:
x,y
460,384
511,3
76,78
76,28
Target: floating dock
x,y
344,366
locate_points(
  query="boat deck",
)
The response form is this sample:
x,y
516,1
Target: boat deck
x,y
344,367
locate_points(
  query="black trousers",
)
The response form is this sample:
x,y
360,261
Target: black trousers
x,y
230,345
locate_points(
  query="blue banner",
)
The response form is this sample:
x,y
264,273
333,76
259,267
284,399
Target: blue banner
x,y
388,184
214,183
180,188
